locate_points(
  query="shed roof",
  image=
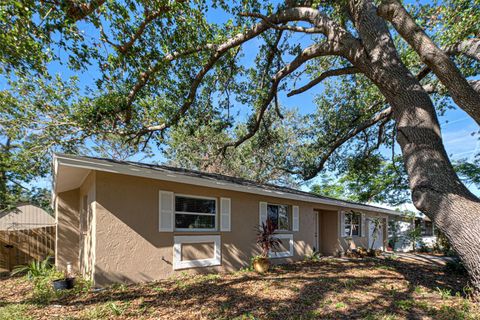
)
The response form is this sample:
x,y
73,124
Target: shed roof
x,y
25,217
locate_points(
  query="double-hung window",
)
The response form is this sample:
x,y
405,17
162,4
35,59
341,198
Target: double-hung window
x,y
195,213
353,224
279,216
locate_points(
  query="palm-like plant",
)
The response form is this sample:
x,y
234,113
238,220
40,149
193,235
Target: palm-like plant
x,y
35,269
266,239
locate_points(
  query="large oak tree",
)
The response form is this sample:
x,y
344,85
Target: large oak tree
x,y
162,64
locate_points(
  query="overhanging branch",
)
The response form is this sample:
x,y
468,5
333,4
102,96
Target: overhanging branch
x,y
316,50
436,59
382,115
323,76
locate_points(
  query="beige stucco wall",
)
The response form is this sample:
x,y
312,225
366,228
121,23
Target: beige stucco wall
x,y
329,241
87,225
122,242
356,242
68,233
129,247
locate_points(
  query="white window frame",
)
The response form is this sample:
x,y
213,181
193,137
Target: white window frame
x,y
289,215
193,213
185,264
360,225
283,254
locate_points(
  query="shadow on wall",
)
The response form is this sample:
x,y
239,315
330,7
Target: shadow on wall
x,y
68,232
127,217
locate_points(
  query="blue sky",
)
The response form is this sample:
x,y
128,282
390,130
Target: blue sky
x,y
457,126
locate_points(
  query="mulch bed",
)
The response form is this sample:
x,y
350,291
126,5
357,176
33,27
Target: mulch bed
x,y
326,289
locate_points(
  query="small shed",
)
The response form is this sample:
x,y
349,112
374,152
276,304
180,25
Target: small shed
x,y
27,233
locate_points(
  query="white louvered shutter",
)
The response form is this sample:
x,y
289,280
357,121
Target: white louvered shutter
x,y
363,226
295,219
225,214
342,224
262,213
165,206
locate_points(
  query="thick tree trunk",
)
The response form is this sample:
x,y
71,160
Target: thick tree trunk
x,y
436,189
437,60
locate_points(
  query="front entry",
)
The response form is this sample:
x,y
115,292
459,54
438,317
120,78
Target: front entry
x,y
379,239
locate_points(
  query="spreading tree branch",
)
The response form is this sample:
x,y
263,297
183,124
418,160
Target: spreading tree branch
x,y
436,59
316,50
340,41
149,18
382,115
323,76
266,19
469,47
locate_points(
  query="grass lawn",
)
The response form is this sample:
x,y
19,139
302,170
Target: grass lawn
x,y
327,289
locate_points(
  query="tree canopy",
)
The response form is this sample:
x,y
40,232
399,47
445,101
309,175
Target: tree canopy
x,y
160,66
152,74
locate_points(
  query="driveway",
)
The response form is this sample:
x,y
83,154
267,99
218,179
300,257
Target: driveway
x,y
422,258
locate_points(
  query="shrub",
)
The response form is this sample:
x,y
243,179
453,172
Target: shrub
x,y
34,269
456,267
41,274
313,256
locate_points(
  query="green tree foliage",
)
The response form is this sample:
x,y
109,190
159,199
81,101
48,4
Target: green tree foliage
x,y
260,159
373,179
159,78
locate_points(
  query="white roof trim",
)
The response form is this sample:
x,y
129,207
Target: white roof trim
x,y
132,170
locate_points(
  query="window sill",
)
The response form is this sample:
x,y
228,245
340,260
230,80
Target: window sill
x,y
195,232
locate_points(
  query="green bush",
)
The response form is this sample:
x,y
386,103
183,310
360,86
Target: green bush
x,y
42,274
456,267
34,269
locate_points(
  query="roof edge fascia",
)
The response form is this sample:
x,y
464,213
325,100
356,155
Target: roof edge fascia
x,y
131,170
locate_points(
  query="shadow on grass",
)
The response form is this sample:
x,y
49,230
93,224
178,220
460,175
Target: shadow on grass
x,y
329,289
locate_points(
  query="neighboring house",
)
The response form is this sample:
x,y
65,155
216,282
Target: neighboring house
x,y
27,233
132,222
402,226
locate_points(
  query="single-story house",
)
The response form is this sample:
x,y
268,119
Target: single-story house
x,y
120,221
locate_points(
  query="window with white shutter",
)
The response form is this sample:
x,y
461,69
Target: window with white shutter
x,y
193,213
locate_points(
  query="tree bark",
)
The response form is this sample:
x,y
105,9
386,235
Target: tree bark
x,y
436,189
434,57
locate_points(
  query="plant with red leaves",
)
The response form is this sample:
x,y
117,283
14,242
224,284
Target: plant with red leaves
x,y
266,239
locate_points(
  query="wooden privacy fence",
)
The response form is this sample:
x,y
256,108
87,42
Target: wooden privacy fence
x,y
18,247
27,233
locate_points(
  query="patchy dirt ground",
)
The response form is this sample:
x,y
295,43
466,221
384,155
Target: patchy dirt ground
x,y
326,289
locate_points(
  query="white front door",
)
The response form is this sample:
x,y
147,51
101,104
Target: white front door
x,y
379,240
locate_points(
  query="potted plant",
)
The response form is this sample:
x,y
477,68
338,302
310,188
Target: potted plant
x,y
66,283
267,241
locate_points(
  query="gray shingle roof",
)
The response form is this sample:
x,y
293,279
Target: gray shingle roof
x,y
233,180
